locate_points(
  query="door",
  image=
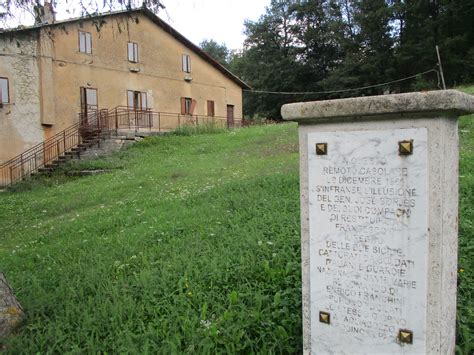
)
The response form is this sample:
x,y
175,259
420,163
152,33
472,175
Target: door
x,y
230,116
89,104
137,102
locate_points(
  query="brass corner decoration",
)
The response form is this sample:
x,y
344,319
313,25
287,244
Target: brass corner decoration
x,y
324,317
405,336
405,147
321,148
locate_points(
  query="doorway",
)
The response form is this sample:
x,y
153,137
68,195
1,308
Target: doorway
x,y
230,116
89,103
138,113
137,100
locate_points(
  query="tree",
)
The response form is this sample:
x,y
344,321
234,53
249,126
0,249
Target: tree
x,y
12,313
268,61
292,47
368,47
219,52
445,23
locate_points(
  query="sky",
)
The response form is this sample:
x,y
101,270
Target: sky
x,y
220,20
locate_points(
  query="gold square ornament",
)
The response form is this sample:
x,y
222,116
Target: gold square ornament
x,y
405,336
324,317
321,148
405,147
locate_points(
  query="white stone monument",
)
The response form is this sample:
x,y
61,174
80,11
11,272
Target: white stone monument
x,y
379,222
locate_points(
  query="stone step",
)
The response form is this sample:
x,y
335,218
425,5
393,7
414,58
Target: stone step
x,y
72,154
79,148
58,162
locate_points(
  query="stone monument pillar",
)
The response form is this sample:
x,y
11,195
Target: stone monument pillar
x,y
379,222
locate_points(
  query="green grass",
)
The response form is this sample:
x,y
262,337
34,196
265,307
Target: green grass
x,y
465,326
191,244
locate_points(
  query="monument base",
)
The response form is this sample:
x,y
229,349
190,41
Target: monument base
x,y
379,216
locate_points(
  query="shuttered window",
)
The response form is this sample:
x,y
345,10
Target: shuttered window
x,y
137,100
187,105
210,108
132,52
144,103
4,91
85,42
186,63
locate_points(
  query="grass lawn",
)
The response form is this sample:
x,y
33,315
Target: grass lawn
x,y
191,244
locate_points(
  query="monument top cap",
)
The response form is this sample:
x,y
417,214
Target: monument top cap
x,y
410,105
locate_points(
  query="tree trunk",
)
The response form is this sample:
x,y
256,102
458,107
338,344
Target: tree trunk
x,y
11,312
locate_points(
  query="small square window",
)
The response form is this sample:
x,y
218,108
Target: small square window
x,y
85,42
186,62
133,52
4,91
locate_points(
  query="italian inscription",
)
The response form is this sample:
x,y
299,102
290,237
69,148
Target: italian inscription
x,y
368,241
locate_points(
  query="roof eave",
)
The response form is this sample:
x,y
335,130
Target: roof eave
x,y
155,19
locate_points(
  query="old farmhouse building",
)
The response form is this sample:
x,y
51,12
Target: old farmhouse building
x,y
132,59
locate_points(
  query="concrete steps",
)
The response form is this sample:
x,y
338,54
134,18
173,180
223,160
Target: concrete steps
x,y
94,146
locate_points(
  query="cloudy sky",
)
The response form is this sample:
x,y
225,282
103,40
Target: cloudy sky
x,y
220,20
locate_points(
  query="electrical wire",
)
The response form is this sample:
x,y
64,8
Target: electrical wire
x,y
338,91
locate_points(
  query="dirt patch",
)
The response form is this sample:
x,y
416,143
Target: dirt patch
x,y
87,172
177,175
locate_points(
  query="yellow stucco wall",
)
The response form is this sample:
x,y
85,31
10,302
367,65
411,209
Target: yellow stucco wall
x,y
62,70
160,74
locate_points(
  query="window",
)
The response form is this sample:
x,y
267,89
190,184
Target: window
x,y
137,100
186,63
210,108
85,42
4,93
132,52
187,106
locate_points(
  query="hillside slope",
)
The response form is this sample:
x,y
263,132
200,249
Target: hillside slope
x,y
190,244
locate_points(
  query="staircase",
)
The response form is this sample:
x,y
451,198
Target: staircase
x,y
92,140
63,146
90,131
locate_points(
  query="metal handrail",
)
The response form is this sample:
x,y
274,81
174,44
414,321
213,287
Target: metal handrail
x,y
149,110
46,152
100,123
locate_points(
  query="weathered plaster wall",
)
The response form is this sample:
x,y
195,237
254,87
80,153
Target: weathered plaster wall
x,y
46,77
160,74
20,123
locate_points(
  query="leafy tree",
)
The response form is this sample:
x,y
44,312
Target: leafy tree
x,y
268,61
368,47
219,52
446,23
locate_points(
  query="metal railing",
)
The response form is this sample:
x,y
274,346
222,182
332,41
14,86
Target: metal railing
x,y
129,118
95,126
45,153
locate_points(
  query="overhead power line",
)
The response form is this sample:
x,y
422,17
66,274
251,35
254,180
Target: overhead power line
x,y
339,91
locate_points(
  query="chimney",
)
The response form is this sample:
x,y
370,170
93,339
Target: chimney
x,y
44,13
